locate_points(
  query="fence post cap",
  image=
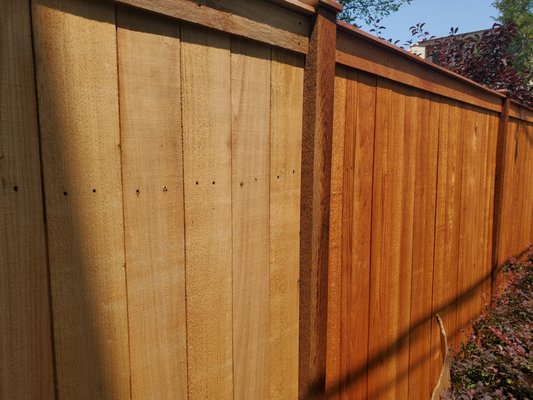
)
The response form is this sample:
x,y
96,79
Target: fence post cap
x,y
505,92
331,5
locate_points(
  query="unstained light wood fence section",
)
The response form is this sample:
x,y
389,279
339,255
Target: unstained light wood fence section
x,y
170,226
171,173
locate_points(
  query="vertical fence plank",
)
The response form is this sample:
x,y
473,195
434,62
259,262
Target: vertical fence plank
x,y
515,235
485,221
440,228
517,208
452,220
75,43
525,156
250,88
206,113
466,212
347,221
359,296
26,369
528,197
514,202
346,230
483,198
509,179
404,196
149,75
490,212
285,160
334,317
469,234
444,286
383,290
427,137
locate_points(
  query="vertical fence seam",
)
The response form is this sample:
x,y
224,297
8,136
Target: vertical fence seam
x,y
115,14
43,195
184,213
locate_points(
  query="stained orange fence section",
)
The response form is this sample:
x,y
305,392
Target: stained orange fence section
x,y
416,195
241,199
516,213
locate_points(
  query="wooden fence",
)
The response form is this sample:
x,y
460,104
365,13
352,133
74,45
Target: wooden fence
x,y
241,199
411,227
514,218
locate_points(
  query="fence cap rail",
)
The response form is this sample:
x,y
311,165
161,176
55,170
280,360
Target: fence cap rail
x,y
258,20
308,7
303,7
351,30
521,111
332,5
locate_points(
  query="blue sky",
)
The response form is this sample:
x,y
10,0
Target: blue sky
x,y
439,16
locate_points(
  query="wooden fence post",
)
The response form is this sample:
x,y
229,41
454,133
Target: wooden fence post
x,y
319,81
499,189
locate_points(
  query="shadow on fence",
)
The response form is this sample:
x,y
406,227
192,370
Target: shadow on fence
x,y
402,341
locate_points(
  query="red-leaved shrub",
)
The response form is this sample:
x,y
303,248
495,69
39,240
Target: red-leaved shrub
x,y
486,59
497,361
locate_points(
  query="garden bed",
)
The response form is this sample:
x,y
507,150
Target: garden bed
x,y
497,361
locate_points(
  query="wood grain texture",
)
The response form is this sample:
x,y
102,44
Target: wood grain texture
x,y
333,374
346,333
206,113
499,180
427,138
404,198
481,222
453,216
490,179
516,204
75,44
447,222
430,235
520,112
359,295
300,6
383,278
486,194
514,233
285,174
482,273
319,80
150,120
250,174
508,180
254,19
519,206
470,230
466,239
26,366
